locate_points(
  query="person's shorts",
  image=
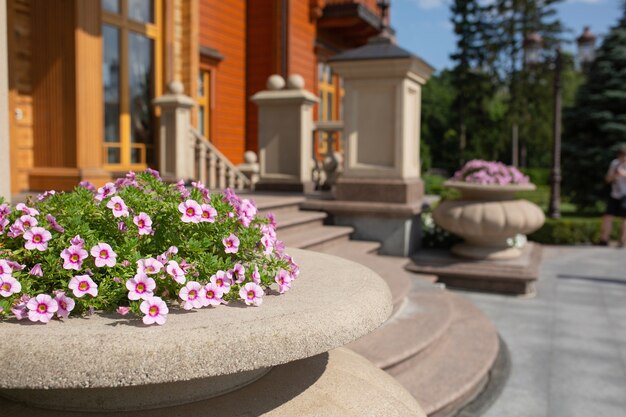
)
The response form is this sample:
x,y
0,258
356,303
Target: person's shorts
x,y
614,207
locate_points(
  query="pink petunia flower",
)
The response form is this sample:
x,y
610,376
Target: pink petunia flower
x,y
65,303
37,238
104,255
44,196
155,310
149,266
87,185
9,286
143,223
175,271
251,294
284,281
208,213
42,308
118,206
193,295
73,257
231,244
5,268
239,271
77,241
268,244
104,192
20,311
52,221
5,210
222,280
26,222
83,284
246,211
122,311
36,271
140,287
191,210
256,277
212,295
26,210
182,189
3,224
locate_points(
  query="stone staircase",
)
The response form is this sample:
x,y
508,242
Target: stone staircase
x,y
437,344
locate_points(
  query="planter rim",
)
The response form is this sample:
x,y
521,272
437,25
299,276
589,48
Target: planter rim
x,y
489,187
334,302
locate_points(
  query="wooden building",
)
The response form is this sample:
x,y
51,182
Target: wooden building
x,y
82,74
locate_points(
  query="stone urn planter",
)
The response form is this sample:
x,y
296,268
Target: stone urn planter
x,y
487,217
279,359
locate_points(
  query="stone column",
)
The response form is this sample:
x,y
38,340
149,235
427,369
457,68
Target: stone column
x,y
176,150
285,135
5,163
380,191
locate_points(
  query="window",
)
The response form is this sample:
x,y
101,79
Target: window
x,y
330,89
131,79
203,100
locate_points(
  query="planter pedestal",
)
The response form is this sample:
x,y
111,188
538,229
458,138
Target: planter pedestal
x,y
272,360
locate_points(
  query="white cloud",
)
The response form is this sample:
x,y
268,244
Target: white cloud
x,y
432,4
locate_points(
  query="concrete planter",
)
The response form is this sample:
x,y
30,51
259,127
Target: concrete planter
x,y
273,360
486,216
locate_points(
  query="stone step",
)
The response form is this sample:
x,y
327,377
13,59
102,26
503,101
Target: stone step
x,y
318,238
357,247
421,320
299,220
277,204
454,369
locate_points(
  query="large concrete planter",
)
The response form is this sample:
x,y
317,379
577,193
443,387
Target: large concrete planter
x,y
487,216
273,360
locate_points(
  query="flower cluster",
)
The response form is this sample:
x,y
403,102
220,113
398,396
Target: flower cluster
x,y
137,245
478,171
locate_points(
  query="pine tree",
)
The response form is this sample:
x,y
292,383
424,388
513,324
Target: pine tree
x,y
596,126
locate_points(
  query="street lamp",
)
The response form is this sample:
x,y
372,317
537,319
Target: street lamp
x,y
586,49
532,54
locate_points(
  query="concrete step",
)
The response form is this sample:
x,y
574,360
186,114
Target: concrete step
x,y
455,368
277,204
356,247
319,238
299,220
424,317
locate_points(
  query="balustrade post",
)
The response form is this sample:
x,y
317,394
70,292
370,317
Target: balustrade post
x,y
176,148
5,170
202,157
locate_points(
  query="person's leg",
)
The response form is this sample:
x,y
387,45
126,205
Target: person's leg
x,y
605,230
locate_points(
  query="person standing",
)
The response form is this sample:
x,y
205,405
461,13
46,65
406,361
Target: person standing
x,y
616,176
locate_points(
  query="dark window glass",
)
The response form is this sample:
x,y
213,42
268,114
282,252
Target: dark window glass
x,y
111,82
113,156
141,11
135,156
201,126
141,80
112,6
200,84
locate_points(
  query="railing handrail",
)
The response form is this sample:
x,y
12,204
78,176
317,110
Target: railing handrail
x,y
202,141
328,125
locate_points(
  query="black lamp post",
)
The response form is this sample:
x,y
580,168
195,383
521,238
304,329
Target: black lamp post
x,y
532,53
586,49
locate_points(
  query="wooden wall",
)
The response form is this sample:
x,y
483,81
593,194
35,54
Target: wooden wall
x,y
302,33
223,27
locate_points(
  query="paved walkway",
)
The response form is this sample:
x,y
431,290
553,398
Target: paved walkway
x,y
568,344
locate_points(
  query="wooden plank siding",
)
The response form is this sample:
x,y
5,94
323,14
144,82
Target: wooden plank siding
x,y
302,32
223,27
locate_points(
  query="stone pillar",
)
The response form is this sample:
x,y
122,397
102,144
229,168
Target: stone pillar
x,y
380,191
176,150
5,162
285,135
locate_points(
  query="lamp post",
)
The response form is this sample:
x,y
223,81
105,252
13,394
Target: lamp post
x,y
586,49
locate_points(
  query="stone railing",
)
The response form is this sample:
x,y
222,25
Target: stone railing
x,y
213,168
327,153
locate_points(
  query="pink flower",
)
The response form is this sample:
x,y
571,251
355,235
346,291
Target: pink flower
x,y
36,271
153,172
143,223
73,257
256,277
65,303
104,192
3,224
192,294
104,255
37,238
5,268
231,244
45,195
20,311
272,218
222,280
240,272
149,266
191,210
155,310
246,211
26,210
122,311
208,213
212,295
52,221
83,284
176,272
9,286
5,210
41,308
26,221
284,281
77,241
140,287
184,192
118,206
268,244
251,293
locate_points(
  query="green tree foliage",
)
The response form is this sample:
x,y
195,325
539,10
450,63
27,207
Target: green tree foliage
x,y
596,125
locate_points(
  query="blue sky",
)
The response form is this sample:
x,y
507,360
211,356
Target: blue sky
x,y
423,26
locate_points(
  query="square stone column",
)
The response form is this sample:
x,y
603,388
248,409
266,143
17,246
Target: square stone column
x,y
285,135
5,163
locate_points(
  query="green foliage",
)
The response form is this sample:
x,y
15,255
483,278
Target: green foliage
x,y
571,231
433,236
538,176
596,126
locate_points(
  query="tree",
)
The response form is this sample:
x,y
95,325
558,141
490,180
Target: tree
x,y
596,125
